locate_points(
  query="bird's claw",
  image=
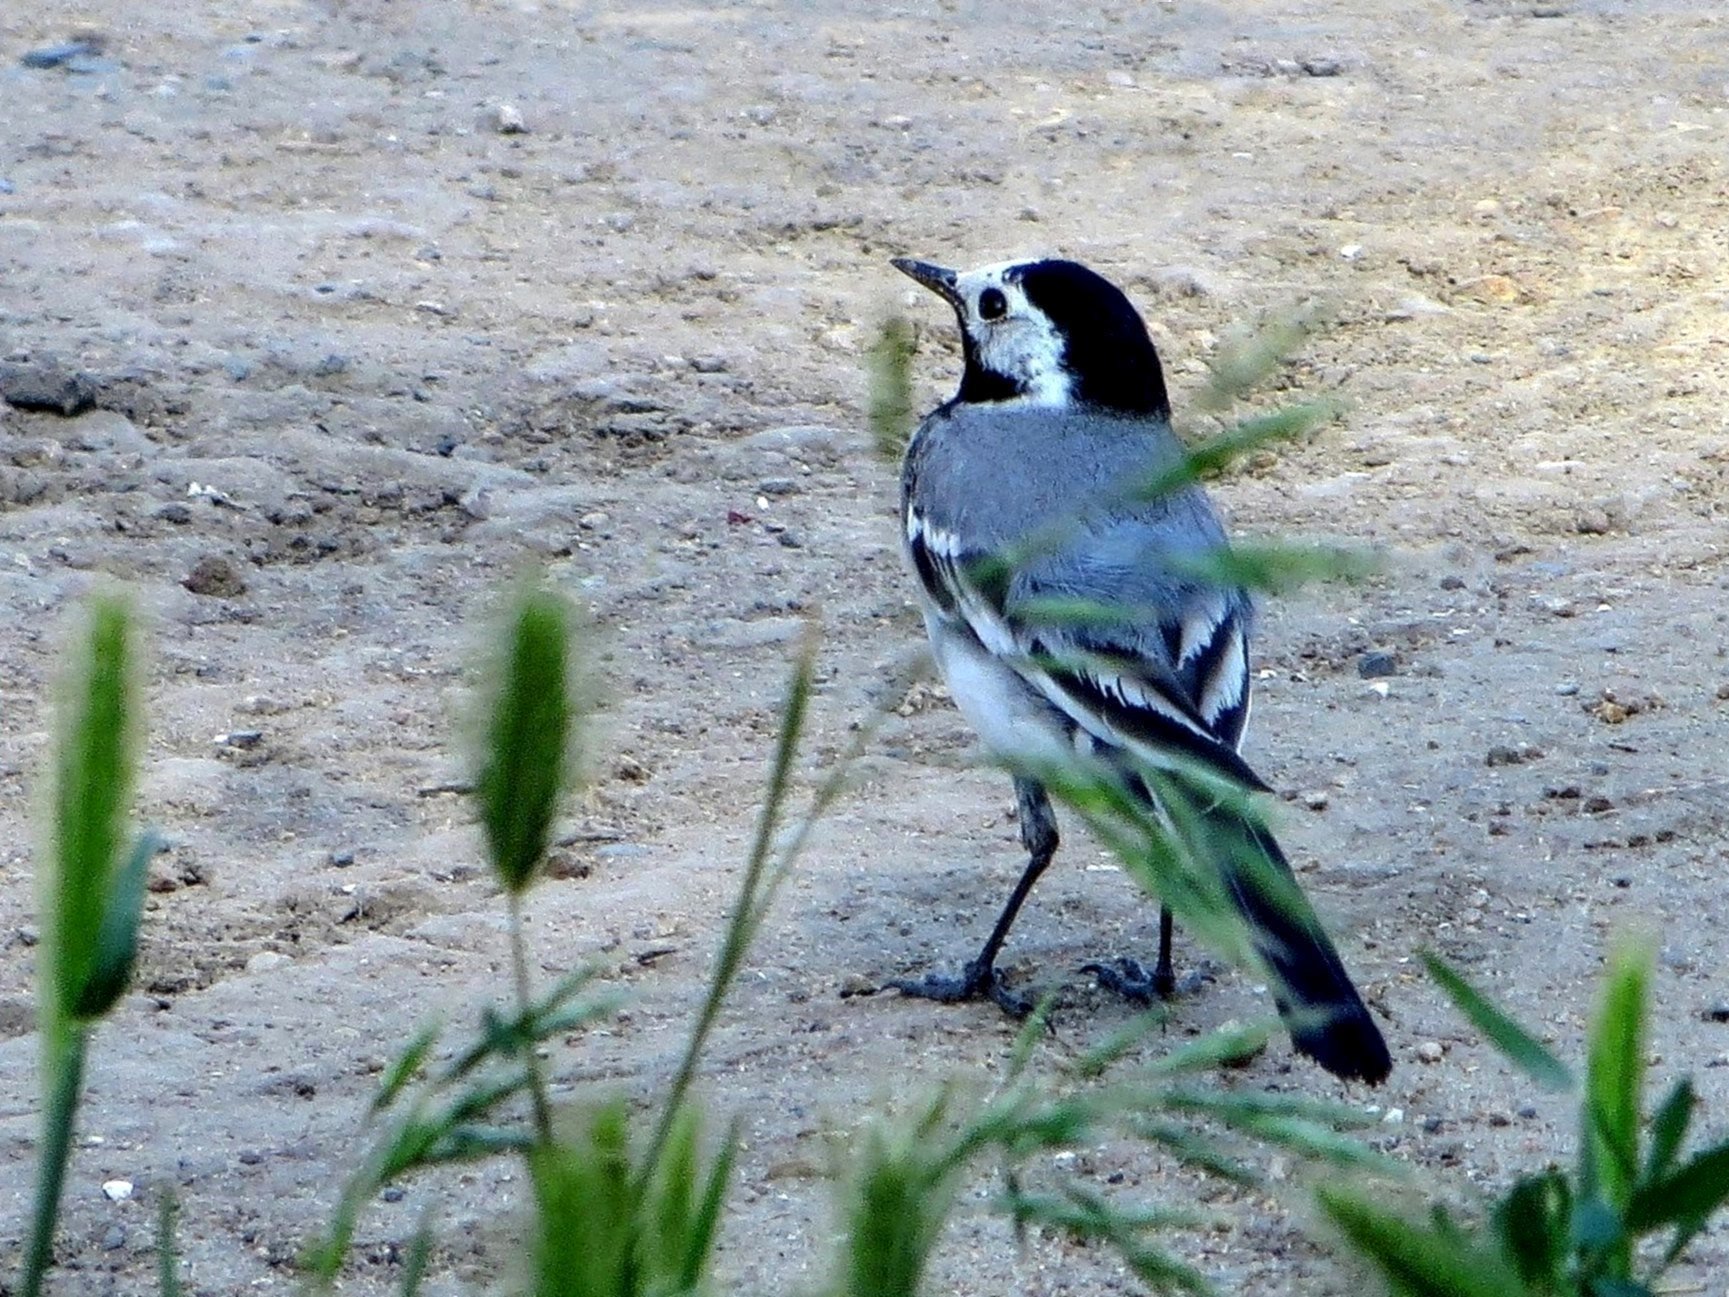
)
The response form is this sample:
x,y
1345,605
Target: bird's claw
x,y
1130,979
976,981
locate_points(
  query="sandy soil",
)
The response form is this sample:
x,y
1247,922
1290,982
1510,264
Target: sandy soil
x,y
353,356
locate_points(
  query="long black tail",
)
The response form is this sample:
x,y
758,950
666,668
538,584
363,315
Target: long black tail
x,y
1321,1008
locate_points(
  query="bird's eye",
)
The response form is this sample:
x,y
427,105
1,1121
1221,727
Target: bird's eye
x,y
992,304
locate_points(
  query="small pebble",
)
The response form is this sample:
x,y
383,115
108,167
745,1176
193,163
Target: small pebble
x,y
1498,1118
1567,688
340,859
1315,799
215,577
1322,67
856,984
114,1238
506,119
117,1190
1528,1111
54,56
1718,1012
47,388
1393,1117
1433,1125
1378,662
1430,1051
393,1193
266,961
1502,755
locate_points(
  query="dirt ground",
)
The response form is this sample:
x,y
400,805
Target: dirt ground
x,y
353,355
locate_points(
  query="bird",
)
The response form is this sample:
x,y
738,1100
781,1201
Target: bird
x,y
1019,493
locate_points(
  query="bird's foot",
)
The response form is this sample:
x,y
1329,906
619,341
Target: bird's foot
x,y
976,982
1131,979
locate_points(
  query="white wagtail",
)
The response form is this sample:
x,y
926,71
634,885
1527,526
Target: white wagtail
x,y
1061,405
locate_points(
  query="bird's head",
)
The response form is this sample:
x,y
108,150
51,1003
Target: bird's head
x,y
1049,333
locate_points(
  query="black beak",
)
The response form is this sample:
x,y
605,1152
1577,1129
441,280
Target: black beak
x,y
938,279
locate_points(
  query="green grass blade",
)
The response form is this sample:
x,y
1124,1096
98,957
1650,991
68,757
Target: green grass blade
x,y
117,939
92,791
1089,1217
469,1143
897,1207
1243,363
1533,1221
1194,1148
67,1076
1693,1193
88,928
747,911
1517,1045
1242,1106
1222,1047
1164,1273
891,391
1615,1073
1669,1129
167,1249
1417,1260
1033,1030
406,1067
415,1262
528,739
670,1201
1083,1212
1317,1143
1275,568
585,1229
566,989
1099,1058
574,1017
1214,455
705,1223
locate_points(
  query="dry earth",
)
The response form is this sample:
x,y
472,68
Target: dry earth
x,y
352,355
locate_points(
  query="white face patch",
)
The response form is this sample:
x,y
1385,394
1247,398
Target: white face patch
x,y
1020,342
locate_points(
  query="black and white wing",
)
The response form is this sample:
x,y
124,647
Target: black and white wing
x,y
1137,656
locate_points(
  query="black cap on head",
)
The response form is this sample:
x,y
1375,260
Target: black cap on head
x,y
1106,348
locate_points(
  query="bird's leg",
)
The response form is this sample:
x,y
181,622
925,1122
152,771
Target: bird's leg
x,y
1164,976
980,977
1129,977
